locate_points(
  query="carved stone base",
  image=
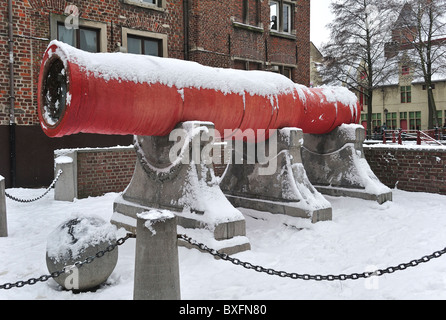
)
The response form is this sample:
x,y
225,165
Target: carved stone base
x,y
280,185
335,165
185,185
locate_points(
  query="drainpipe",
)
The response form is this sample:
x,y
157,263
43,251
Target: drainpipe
x,y
186,29
12,136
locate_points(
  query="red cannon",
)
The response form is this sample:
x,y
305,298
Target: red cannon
x,y
116,93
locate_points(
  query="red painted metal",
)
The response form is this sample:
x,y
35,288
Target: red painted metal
x,y
115,106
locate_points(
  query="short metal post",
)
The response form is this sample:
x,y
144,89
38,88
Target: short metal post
x,y
3,222
418,137
157,274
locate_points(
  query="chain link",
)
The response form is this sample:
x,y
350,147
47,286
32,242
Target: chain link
x,y
236,261
78,264
39,197
293,275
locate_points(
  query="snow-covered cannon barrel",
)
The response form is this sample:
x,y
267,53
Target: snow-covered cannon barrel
x,y
117,93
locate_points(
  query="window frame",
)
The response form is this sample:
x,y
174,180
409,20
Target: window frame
x,y
391,120
278,16
376,120
289,14
159,5
78,35
55,19
405,70
424,87
142,39
163,38
414,120
406,94
281,5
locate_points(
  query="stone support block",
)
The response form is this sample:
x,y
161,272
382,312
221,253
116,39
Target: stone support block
x,y
336,165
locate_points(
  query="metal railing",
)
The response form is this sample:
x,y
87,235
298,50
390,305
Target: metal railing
x,y
433,137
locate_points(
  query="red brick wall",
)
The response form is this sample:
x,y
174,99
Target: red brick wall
x,y
31,19
215,41
419,170
103,171
210,26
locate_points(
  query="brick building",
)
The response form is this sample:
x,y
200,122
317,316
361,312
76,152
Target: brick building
x,y
243,34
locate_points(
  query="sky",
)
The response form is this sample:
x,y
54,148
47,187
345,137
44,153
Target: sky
x,y
320,17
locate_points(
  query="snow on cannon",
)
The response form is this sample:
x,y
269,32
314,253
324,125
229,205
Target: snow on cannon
x,y
290,137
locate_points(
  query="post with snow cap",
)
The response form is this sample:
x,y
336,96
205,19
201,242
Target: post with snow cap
x,y
157,273
3,223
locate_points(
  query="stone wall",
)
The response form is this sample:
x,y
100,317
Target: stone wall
x,y
410,168
97,171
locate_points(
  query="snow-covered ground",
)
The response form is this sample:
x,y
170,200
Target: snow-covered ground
x,y
363,235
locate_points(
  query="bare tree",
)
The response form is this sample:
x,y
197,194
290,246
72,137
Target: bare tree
x,y
356,51
423,31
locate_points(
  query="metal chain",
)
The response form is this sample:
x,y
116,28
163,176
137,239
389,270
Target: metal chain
x,y
293,275
40,197
78,264
247,265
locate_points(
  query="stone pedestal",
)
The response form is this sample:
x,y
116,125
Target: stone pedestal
x,y
335,165
177,176
278,182
65,188
157,271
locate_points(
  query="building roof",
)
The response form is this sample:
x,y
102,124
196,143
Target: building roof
x,y
406,18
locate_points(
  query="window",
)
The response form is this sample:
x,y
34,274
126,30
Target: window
x,y
286,18
146,46
391,120
274,15
144,42
376,120
82,38
440,117
405,70
150,4
286,72
250,12
415,120
406,94
432,86
87,35
245,11
363,99
280,16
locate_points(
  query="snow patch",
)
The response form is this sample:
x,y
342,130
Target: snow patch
x,y
74,236
173,72
63,159
154,216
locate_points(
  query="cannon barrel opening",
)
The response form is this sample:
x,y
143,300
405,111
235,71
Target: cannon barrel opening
x,y
54,92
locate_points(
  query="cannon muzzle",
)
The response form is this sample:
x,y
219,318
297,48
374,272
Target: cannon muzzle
x,y
117,93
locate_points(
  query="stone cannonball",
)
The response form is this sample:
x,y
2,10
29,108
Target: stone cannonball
x,y
74,241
